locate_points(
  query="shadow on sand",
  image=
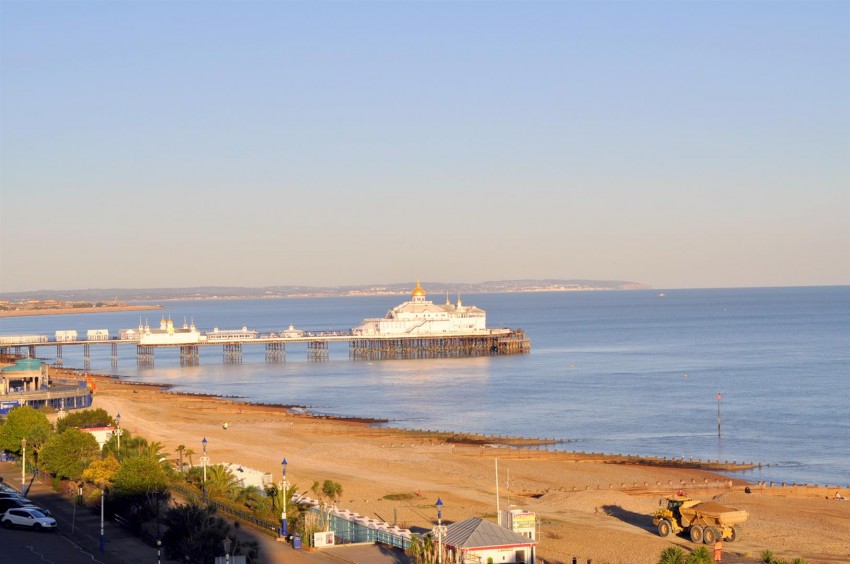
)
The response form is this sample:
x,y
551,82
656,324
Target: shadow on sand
x,y
637,519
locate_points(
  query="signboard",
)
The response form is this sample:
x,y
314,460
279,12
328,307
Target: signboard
x,y
323,539
524,520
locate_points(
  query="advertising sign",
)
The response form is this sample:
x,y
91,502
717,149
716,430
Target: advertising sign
x,y
323,539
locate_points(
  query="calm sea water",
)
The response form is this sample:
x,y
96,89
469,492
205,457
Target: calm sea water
x,y
616,372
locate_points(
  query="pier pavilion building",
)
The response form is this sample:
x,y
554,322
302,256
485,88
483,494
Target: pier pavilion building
x,y
419,316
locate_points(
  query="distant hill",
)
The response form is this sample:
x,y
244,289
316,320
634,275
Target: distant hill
x,y
231,292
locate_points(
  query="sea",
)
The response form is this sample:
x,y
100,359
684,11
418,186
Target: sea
x,y
621,372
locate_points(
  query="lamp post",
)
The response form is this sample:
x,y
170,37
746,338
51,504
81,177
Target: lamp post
x,y
283,485
204,461
76,503
158,548
227,543
439,530
24,466
118,432
102,538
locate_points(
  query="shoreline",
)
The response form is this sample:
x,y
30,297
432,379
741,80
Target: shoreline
x,y
462,437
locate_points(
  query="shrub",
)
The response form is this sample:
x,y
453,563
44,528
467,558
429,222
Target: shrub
x,y
672,555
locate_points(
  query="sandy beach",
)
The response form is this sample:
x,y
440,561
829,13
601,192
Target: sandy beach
x,y
589,506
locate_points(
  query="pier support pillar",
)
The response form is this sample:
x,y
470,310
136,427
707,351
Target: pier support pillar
x,y
144,355
114,355
275,352
189,355
317,350
232,353
86,356
58,355
31,352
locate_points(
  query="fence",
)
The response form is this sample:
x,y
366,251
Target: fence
x,y
351,527
268,527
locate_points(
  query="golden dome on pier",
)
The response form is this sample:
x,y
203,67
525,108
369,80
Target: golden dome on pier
x,y
418,290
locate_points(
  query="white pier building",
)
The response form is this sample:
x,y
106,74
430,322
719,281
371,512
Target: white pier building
x,y
419,316
167,334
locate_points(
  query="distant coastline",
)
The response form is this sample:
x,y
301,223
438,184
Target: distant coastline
x,y
237,292
75,310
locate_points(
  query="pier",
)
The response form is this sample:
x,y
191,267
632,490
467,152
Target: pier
x,y
417,328
492,342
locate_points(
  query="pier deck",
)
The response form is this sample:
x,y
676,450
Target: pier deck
x,y
372,347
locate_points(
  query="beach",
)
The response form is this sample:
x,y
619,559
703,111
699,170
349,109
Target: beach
x,y
589,506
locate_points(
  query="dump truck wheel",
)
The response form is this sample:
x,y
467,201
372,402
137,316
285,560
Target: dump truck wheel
x,y
709,535
664,527
696,534
734,535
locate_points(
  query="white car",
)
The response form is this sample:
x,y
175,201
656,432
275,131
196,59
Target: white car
x,y
27,517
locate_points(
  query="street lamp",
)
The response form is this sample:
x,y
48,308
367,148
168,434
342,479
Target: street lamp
x,y
158,548
227,543
24,466
118,432
102,537
283,485
439,530
204,460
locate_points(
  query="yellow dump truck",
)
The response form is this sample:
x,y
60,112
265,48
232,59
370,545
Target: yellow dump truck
x,y
703,521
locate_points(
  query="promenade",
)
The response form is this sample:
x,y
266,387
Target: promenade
x,y
77,539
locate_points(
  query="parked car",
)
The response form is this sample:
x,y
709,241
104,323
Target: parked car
x,y
5,488
19,503
28,517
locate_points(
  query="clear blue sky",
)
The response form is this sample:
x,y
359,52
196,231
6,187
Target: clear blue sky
x,y
679,144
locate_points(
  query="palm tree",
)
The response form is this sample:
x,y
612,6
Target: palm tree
x,y
180,449
154,450
330,490
221,482
252,497
700,555
672,555
189,452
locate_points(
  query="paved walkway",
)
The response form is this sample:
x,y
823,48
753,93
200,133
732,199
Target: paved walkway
x,y
78,538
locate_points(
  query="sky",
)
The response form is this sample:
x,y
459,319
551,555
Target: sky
x,y
178,144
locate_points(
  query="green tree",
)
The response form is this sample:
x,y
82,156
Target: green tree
x,y
102,472
69,453
140,475
672,555
25,423
189,454
77,419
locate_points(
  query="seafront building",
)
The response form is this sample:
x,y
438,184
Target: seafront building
x,y
167,334
27,382
419,316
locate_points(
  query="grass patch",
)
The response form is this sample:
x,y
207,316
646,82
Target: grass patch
x,y
400,496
